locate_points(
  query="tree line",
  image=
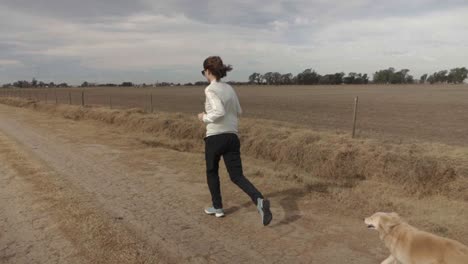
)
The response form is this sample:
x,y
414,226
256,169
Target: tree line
x,y
39,84
306,77
34,84
309,77
386,76
456,75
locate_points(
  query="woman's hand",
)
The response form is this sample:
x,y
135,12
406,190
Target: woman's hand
x,y
200,116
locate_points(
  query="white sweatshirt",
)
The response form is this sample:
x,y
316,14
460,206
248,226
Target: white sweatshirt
x,y
222,109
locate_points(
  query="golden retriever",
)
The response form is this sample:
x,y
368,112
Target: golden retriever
x,y
409,245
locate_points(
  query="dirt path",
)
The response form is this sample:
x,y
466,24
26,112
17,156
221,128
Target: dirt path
x,y
80,192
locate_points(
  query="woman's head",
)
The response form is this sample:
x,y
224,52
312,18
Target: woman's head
x,y
214,65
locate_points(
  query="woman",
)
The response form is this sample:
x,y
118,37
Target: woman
x,y
222,109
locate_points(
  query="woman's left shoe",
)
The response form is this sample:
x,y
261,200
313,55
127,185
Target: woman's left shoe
x,y
263,207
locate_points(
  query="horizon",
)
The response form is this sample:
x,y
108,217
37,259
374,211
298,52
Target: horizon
x,y
153,41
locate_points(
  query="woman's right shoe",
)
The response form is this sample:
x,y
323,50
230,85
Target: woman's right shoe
x,y
214,211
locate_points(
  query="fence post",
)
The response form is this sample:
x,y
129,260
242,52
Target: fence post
x,y
55,93
69,98
110,101
82,98
151,103
355,115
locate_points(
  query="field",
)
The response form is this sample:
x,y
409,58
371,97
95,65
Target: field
x,y
100,185
428,113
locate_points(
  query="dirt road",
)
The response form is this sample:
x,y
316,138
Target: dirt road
x,y
82,192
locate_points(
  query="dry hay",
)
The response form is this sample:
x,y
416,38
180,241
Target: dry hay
x,y
335,160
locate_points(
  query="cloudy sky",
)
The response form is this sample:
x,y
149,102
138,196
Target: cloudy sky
x,y
158,40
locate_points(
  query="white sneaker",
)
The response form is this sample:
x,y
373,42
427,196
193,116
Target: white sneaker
x,y
263,207
214,211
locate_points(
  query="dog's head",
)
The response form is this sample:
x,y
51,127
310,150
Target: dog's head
x,y
382,222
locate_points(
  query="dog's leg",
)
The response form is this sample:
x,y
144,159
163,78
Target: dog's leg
x,y
390,260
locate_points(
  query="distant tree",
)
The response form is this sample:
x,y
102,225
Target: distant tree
x,y
397,77
268,77
394,77
438,77
287,78
423,78
300,78
384,76
350,78
294,80
22,84
356,78
127,84
308,76
409,79
338,78
255,78
34,82
327,79
402,76
364,78
85,84
276,78
442,76
238,83
457,75
431,79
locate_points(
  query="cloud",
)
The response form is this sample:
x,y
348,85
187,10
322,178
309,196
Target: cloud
x,y
72,10
9,62
168,40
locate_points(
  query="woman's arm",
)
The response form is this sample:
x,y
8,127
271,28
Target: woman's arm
x,y
217,108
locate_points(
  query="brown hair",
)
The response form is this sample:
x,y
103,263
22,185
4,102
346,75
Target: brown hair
x,y
216,66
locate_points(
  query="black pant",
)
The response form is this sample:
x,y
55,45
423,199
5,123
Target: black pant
x,y
228,146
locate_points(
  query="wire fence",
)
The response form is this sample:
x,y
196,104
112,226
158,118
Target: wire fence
x,y
435,113
125,99
83,97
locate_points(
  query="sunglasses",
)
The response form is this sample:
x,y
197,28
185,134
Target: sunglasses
x,y
203,72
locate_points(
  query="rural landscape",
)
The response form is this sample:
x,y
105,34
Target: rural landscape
x,y
100,178
160,132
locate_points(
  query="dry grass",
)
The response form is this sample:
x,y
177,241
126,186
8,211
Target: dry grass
x,y
426,183
408,113
315,159
97,239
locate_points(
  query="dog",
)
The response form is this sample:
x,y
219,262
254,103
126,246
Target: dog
x,y
409,245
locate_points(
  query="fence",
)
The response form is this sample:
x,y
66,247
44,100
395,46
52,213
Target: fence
x,y
125,98
80,97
